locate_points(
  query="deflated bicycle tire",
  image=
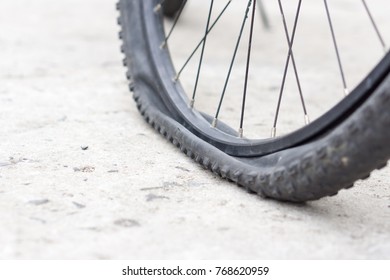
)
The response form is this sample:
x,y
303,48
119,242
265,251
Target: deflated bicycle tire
x,y
321,167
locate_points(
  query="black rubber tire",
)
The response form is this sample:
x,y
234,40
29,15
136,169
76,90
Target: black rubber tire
x,y
321,167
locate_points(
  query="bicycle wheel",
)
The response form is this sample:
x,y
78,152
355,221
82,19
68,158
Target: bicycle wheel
x,y
343,145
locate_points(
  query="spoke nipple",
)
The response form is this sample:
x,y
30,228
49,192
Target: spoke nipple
x,y
273,132
163,45
346,91
241,133
214,123
192,102
157,8
174,79
307,119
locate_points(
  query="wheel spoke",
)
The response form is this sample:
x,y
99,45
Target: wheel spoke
x,y
201,42
263,14
241,129
346,91
214,124
177,17
289,57
382,41
202,54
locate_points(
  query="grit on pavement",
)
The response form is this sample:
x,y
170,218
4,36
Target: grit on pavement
x,y
82,176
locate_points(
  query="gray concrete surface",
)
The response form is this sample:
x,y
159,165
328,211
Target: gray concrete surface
x,y
131,194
